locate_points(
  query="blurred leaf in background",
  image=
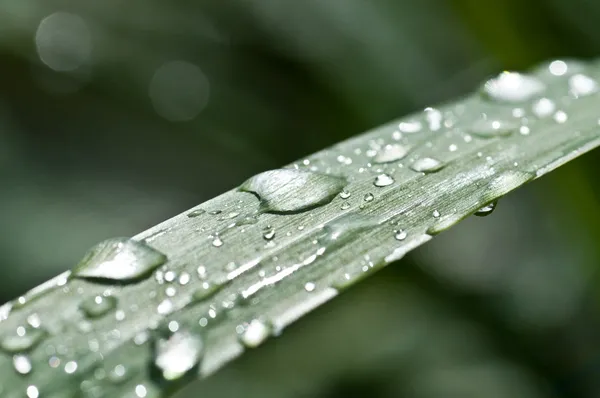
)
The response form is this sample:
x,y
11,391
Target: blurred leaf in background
x,y
115,116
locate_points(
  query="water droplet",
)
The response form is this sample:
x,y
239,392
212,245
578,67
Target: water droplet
x,y
119,374
269,233
543,107
309,286
558,67
486,210
205,291
119,260
391,153
217,242
560,117
369,197
436,213
513,87
344,194
196,213
22,364
24,339
290,190
427,165
410,127
582,85
70,367
489,128
255,333
400,234
345,206
98,306
345,227
215,212
383,180
177,355
32,392
434,118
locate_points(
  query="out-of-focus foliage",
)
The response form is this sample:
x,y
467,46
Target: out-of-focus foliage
x,y
117,115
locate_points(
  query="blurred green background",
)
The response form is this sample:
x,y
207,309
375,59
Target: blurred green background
x,y
117,115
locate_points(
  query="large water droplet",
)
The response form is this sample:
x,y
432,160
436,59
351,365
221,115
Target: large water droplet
x,y
427,165
543,107
582,85
119,260
383,180
177,354
391,153
25,338
513,87
290,190
486,210
98,306
489,128
255,333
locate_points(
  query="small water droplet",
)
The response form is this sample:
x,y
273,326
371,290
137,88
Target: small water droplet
x,y
97,306
119,374
344,194
215,212
32,392
369,197
436,213
70,367
486,210
558,67
427,165
119,260
217,242
383,180
290,190
400,234
513,87
196,213
560,117
543,107
410,127
452,147
177,354
309,286
582,85
22,364
345,206
255,333
24,339
269,233
489,128
391,153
